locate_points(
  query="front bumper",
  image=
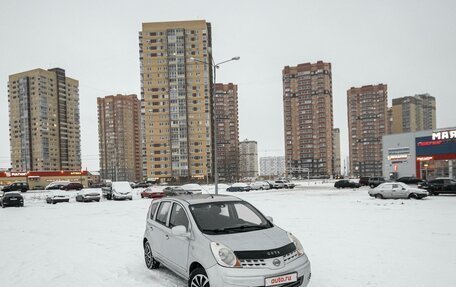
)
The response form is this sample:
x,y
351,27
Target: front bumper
x,y
121,196
255,277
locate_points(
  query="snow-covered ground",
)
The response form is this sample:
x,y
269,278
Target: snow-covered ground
x,y
350,238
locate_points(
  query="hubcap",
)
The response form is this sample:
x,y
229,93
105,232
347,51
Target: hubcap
x,y
148,255
200,280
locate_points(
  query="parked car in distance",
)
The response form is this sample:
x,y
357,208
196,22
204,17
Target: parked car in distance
x,y
236,189
152,193
174,191
11,198
375,181
142,184
21,186
56,185
72,186
118,190
56,196
397,190
259,185
440,186
285,184
88,195
214,240
192,188
272,184
344,183
409,180
364,180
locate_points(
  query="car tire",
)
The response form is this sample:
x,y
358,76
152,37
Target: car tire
x,y
413,196
261,188
151,263
371,185
198,278
379,196
23,190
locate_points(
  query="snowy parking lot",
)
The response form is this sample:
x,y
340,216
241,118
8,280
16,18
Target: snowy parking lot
x,y
350,238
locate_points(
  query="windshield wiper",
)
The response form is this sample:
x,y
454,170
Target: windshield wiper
x,y
245,227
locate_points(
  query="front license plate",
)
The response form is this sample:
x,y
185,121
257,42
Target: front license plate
x,y
13,198
283,279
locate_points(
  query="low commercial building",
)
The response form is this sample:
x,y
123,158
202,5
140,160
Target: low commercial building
x,y
40,179
425,154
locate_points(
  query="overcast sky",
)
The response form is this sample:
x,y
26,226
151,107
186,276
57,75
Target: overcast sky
x,y
408,44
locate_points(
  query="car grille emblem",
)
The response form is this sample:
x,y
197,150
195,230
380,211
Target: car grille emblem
x,y
276,262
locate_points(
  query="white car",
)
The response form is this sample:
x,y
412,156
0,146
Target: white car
x,y
222,241
397,190
259,185
192,188
88,195
118,190
56,196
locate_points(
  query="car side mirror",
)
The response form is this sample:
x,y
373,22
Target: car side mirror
x,y
270,218
180,231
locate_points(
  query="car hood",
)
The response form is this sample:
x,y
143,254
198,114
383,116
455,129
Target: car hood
x,y
264,239
89,191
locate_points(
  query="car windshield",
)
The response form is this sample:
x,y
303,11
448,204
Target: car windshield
x,y
228,217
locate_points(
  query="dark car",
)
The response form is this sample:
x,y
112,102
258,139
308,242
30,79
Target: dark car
x,y
238,188
58,186
375,181
11,199
364,180
21,186
440,186
409,180
142,185
72,186
346,183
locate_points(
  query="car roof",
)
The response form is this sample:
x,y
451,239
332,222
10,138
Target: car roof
x,y
202,198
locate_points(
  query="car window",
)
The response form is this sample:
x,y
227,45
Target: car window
x,y
396,186
162,213
246,214
178,216
153,209
387,186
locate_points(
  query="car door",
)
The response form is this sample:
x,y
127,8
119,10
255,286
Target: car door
x,y
176,247
159,232
386,190
396,191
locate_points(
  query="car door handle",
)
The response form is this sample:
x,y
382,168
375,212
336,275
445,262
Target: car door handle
x,y
151,228
166,236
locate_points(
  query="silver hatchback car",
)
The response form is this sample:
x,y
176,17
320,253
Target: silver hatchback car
x,y
222,241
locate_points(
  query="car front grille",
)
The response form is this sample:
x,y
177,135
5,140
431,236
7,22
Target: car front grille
x,y
268,262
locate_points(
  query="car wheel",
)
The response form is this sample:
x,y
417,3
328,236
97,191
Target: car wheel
x,y
151,263
413,196
23,190
198,278
261,188
371,186
379,196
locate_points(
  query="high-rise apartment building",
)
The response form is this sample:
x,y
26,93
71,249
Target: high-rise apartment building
x,y
176,100
389,115
226,111
367,123
336,152
273,166
308,118
411,114
119,120
44,121
248,159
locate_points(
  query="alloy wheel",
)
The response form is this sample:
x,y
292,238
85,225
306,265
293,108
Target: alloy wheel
x,y
200,280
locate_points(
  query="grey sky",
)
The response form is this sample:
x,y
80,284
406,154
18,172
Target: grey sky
x,y
409,45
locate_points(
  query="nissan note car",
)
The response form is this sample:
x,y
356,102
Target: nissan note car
x,y
216,240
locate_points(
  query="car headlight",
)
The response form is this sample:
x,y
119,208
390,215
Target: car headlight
x,y
224,256
297,243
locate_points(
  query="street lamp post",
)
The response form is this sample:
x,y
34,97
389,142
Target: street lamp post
x,y
214,66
